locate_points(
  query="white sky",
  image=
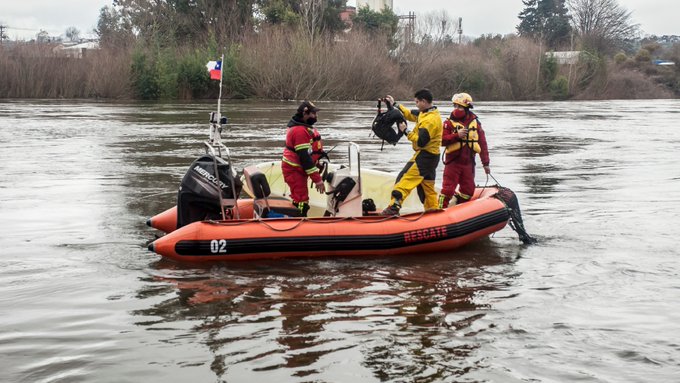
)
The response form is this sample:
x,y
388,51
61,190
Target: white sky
x,y
659,17
25,18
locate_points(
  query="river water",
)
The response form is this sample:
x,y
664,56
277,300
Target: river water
x,y
82,300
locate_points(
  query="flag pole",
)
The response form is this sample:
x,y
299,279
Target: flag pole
x,y
219,98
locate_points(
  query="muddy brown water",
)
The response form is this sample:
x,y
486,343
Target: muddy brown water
x,y
82,300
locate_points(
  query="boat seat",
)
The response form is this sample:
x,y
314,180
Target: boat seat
x,y
264,205
275,207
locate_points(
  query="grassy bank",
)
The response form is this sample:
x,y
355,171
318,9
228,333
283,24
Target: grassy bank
x,y
279,63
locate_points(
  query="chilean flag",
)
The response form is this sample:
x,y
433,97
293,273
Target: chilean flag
x,y
215,69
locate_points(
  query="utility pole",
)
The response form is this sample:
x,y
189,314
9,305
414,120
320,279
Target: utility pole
x,y
2,32
460,30
410,28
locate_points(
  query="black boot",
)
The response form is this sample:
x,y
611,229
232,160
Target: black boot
x,y
303,208
393,209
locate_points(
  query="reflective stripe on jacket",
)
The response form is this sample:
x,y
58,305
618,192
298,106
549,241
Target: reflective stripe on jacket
x,y
427,134
301,143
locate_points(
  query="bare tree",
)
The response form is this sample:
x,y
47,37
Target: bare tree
x,y
42,37
72,33
312,16
603,25
436,27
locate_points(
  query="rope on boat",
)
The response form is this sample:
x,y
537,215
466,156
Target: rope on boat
x,y
330,220
516,223
504,194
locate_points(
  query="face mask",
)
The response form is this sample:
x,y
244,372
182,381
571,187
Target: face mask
x,y
311,121
459,114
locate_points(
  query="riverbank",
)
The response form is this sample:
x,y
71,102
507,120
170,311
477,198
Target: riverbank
x,y
285,65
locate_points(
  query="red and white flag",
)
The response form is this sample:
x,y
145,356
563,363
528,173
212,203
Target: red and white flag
x,y
215,69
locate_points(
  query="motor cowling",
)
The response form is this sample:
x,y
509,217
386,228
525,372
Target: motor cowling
x,y
198,198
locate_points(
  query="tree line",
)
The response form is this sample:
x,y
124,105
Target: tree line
x,y
293,49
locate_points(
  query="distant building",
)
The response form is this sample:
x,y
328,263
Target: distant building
x,y
76,51
375,5
660,62
564,57
347,14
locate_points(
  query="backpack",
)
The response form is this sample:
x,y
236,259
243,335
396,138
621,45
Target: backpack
x,y
384,124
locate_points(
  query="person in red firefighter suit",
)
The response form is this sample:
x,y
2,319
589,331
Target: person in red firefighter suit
x,y
301,156
463,138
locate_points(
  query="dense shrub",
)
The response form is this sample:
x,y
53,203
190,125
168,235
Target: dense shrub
x,y
643,55
143,77
559,88
620,58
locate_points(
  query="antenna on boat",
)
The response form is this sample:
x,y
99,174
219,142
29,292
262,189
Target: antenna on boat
x,y
216,148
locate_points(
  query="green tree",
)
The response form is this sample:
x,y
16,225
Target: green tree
x,y
384,22
545,20
113,30
331,16
145,82
171,22
279,12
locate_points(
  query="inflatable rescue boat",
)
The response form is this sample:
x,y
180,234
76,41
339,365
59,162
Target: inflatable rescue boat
x,y
212,223
266,225
415,233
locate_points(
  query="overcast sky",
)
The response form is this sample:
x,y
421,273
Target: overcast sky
x,y
659,17
25,18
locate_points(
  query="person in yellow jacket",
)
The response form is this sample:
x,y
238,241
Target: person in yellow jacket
x,y
426,140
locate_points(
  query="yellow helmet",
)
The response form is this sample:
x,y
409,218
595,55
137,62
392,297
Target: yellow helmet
x,y
462,99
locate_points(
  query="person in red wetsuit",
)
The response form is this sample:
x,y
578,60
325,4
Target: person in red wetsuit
x,y
463,138
301,156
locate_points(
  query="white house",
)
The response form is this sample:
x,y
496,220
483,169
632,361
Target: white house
x,y
374,5
77,50
565,57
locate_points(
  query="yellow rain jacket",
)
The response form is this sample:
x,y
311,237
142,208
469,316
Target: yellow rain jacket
x,y
427,134
420,171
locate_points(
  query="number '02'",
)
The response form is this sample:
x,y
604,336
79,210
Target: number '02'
x,y
218,246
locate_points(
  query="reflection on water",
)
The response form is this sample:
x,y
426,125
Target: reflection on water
x,y
394,317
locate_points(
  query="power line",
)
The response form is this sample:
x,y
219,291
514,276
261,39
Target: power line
x,y
7,27
23,29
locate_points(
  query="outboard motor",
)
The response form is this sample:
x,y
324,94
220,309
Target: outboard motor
x,y
198,198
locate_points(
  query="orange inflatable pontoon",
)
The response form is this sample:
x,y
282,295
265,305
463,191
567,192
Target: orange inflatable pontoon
x,y
247,239
166,221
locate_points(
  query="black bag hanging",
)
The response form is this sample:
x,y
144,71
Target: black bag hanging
x,y
384,124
